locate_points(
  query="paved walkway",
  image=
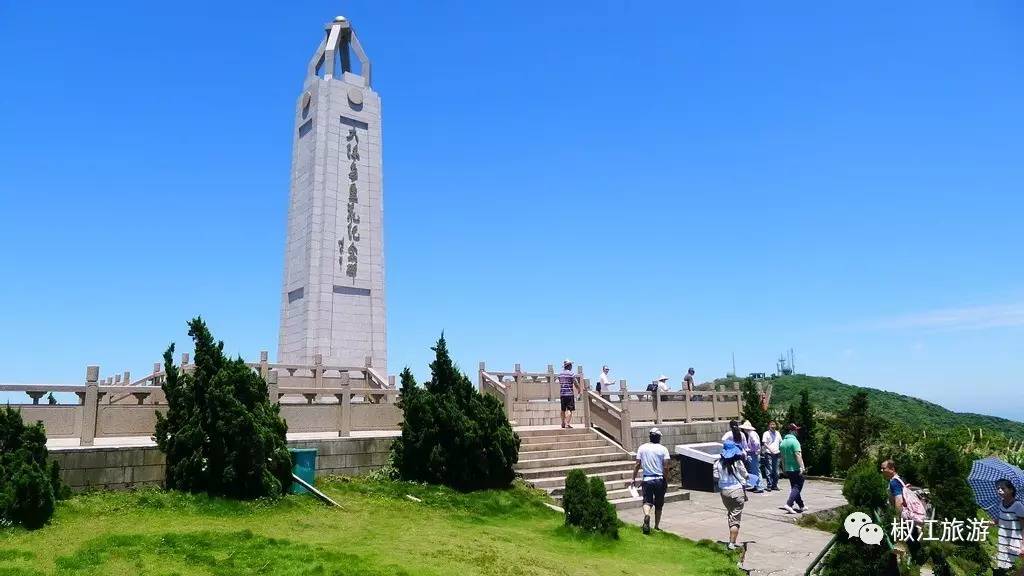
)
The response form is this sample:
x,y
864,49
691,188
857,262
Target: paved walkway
x,y
778,547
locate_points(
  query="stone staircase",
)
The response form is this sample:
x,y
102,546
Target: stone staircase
x,y
547,455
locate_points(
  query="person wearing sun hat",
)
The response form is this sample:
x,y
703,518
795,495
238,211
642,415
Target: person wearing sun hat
x,y
731,475
568,387
793,466
651,458
753,450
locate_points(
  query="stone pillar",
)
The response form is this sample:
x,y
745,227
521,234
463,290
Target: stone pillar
x,y
626,423
517,379
657,406
686,406
264,364
714,403
585,396
552,384
344,413
272,389
90,406
318,371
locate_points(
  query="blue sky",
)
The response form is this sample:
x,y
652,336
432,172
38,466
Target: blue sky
x,y
648,185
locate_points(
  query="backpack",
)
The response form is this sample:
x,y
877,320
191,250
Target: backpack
x,y
913,508
652,387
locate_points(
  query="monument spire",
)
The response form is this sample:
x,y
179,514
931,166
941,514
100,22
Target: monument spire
x,y
339,38
332,301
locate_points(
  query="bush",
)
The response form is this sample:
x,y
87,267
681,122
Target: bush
x,y
452,434
221,434
576,497
865,487
852,557
29,486
586,505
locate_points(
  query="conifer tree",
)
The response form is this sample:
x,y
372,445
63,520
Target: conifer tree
x,y
806,435
752,408
452,434
221,434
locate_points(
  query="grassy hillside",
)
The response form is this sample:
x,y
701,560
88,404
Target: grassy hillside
x,y
831,395
378,533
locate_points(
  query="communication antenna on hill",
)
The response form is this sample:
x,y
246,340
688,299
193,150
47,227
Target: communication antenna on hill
x,y
733,364
785,363
792,361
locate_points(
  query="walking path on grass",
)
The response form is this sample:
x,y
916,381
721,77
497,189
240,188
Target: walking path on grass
x,y
778,547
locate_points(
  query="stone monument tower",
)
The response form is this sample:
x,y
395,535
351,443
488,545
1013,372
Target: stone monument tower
x,y
332,302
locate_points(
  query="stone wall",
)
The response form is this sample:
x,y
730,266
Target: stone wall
x,y
119,468
692,433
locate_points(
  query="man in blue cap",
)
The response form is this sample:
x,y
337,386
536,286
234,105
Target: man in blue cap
x,y
651,458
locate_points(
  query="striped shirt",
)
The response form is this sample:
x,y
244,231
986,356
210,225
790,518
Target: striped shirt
x,y
565,382
1009,533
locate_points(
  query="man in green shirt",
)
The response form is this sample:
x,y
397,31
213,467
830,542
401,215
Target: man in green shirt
x,y
793,467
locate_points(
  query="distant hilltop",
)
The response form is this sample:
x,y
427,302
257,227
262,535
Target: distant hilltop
x,y
830,395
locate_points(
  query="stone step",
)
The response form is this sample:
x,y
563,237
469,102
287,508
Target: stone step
x,y
561,445
558,452
555,482
624,501
556,420
537,407
630,502
609,455
554,432
613,466
609,486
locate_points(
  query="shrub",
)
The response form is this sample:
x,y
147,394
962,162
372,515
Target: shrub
x,y
601,516
865,487
576,497
29,486
586,505
852,557
221,433
452,434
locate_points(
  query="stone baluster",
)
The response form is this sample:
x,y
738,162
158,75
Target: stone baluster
x,y
552,384
90,406
625,423
272,388
344,412
318,370
517,380
264,364
714,402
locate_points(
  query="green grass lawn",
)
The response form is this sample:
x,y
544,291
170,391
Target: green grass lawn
x,y
379,532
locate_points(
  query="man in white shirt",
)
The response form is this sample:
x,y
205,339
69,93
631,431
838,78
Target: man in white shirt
x,y
604,383
651,458
770,442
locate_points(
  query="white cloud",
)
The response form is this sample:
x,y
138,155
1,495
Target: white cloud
x,y
968,318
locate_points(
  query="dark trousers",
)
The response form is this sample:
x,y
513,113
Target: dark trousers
x,y
796,484
771,465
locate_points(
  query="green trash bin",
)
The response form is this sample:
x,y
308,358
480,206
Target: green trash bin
x,y
303,466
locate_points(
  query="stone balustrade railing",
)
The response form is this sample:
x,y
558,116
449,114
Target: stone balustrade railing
x,y
313,399
529,386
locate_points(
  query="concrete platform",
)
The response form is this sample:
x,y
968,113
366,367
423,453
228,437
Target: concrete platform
x,y
778,547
